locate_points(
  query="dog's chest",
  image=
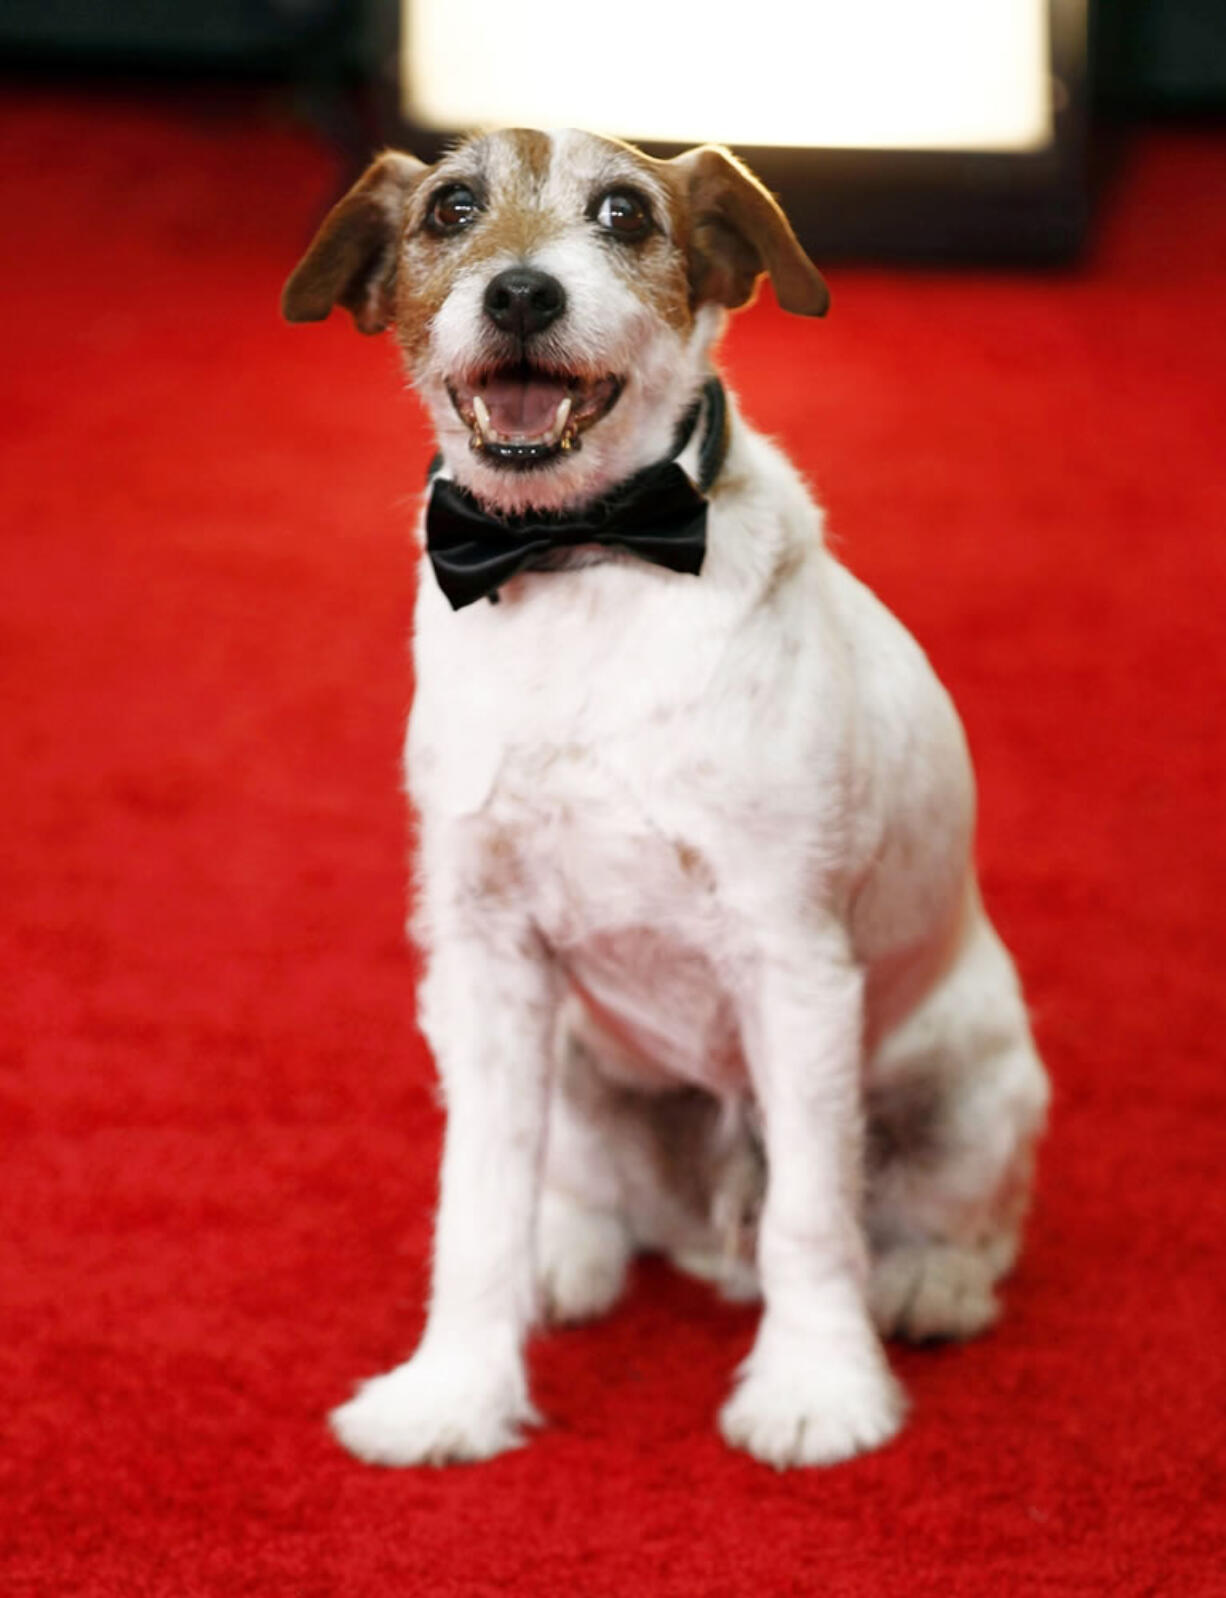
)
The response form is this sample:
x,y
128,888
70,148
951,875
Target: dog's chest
x,y
605,764
610,862
597,797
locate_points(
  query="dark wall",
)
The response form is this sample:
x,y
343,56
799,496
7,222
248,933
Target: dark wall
x,y
1161,55
212,35
1148,54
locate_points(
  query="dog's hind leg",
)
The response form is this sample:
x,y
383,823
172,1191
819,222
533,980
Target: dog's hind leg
x,y
629,1167
956,1099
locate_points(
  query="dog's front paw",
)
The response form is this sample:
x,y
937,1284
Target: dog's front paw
x,y
582,1255
437,1408
803,1407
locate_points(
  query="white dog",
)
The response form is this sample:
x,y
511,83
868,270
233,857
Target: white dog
x,y
708,971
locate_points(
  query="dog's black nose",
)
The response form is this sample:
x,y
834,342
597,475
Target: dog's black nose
x,y
522,300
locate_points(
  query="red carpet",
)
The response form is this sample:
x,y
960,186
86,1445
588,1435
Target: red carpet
x,y
219,1134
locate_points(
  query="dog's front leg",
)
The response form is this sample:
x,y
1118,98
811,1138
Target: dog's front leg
x,y
816,1387
487,1008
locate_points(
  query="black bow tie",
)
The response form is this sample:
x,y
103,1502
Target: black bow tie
x,y
658,515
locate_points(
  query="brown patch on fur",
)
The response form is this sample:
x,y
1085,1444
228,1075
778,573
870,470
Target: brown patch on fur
x,y
498,870
694,864
533,150
656,275
423,283
906,1120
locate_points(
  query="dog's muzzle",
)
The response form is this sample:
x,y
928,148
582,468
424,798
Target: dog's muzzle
x,y
524,415
523,410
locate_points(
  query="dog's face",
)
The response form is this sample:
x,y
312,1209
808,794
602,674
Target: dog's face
x,y
555,297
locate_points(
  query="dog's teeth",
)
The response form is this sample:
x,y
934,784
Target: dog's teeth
x,y
484,432
561,416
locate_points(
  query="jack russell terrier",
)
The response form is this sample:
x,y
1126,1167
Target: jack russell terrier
x,y
708,970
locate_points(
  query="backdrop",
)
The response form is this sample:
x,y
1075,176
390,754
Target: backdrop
x,y
219,1127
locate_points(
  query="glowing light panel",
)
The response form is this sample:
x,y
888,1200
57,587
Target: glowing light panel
x,y
861,74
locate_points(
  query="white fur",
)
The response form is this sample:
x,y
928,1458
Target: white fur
x,y
713,833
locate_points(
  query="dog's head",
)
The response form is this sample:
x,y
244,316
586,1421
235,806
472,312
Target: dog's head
x,y
555,297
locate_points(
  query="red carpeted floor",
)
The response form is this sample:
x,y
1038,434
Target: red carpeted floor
x,y
219,1133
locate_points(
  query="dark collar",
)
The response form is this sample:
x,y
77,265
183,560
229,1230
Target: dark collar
x,y
658,515
712,406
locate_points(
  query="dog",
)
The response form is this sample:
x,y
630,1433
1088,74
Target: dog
x,y
707,968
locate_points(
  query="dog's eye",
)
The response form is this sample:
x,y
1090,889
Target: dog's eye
x,y
624,214
452,208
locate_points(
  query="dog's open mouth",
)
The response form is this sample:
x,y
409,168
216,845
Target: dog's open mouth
x,y
523,416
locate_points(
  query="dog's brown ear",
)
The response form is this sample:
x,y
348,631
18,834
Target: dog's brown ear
x,y
352,259
739,231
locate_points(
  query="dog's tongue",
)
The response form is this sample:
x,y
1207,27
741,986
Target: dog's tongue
x,y
522,406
